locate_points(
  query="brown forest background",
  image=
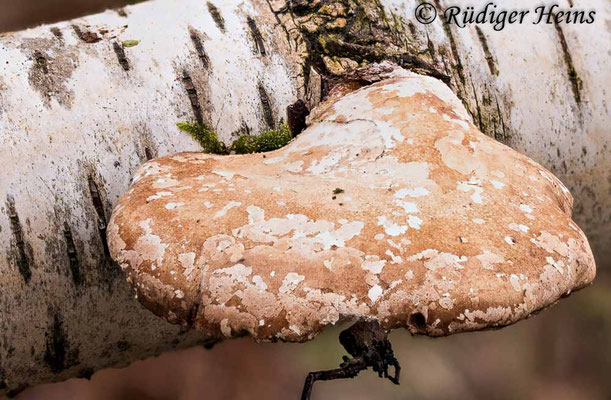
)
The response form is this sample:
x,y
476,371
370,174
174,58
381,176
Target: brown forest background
x,y
562,354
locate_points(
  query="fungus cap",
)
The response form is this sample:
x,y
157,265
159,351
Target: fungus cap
x,y
390,206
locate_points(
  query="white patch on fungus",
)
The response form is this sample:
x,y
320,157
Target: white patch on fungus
x,y
374,266
223,211
446,302
414,222
408,207
374,293
225,174
295,167
188,262
391,228
259,284
489,259
290,282
255,214
225,328
515,282
559,265
497,184
340,236
518,227
526,208
159,195
415,192
472,185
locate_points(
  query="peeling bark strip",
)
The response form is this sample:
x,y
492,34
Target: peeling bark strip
x,y
86,36
120,52
216,16
148,154
99,209
72,256
268,114
296,115
256,35
23,263
197,40
489,58
192,93
55,354
570,67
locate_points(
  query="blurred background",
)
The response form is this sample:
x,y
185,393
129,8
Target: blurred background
x,y
563,353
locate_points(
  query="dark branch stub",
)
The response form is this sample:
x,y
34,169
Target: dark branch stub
x,y
369,346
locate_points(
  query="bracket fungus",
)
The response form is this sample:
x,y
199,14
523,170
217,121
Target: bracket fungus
x,y
437,228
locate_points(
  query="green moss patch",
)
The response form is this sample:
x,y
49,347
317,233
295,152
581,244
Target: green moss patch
x,y
245,144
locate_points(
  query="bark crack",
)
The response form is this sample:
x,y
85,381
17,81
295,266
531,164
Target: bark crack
x,y
23,263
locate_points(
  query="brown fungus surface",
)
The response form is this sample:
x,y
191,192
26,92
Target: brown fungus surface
x,y
438,228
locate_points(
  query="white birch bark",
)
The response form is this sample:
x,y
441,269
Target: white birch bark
x,y
78,115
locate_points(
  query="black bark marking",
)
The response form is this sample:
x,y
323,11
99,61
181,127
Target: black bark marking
x,y
489,58
120,52
478,121
55,354
296,115
192,93
268,114
72,256
256,36
503,136
86,36
448,31
57,33
430,46
121,12
23,263
570,67
197,40
41,62
216,16
98,205
52,66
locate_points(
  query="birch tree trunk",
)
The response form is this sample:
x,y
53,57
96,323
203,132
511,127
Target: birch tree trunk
x,y
81,108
